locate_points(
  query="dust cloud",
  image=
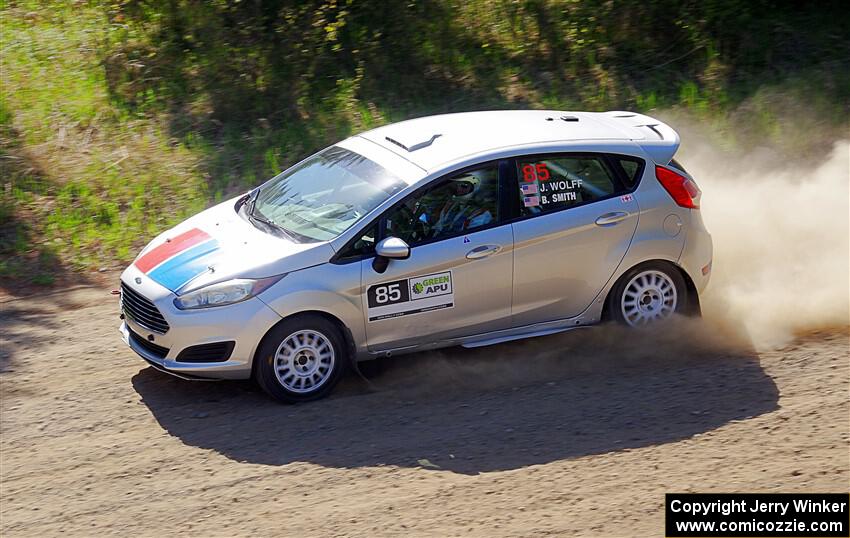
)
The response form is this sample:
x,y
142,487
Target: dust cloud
x,y
781,239
781,269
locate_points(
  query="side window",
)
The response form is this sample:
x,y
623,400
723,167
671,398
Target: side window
x,y
460,204
363,246
552,183
632,169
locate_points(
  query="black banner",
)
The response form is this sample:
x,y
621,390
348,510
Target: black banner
x,y
744,515
388,293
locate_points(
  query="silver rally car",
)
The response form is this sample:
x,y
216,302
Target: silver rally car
x,y
463,229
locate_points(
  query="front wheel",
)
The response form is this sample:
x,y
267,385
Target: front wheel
x,y
647,294
301,359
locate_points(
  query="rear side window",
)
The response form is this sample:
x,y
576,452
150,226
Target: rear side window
x,y
549,184
632,169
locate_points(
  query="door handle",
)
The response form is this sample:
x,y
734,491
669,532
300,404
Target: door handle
x,y
611,218
482,252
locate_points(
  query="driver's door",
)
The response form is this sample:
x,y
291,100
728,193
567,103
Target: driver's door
x,y
458,279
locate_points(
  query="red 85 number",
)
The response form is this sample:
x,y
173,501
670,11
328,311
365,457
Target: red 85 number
x,y
531,172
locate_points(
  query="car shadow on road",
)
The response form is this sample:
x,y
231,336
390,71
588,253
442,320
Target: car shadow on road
x,y
471,411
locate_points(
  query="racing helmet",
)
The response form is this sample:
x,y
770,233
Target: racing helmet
x,y
466,186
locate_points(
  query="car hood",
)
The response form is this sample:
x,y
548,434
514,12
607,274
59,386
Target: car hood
x,y
217,245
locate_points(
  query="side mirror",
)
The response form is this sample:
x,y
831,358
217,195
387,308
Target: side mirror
x,y
387,249
393,247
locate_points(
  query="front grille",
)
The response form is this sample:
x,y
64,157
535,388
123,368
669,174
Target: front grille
x,y
214,352
142,310
155,350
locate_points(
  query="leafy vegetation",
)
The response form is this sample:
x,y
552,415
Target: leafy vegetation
x,y
120,118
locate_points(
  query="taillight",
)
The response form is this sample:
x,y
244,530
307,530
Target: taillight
x,y
684,191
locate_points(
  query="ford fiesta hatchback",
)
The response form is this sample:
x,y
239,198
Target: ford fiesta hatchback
x,y
463,229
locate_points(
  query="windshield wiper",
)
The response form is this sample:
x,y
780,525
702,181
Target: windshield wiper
x,y
272,225
254,216
251,201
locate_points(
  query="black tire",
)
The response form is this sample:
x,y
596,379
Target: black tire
x,y
267,362
614,307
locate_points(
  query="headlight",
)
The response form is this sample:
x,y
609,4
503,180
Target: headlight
x,y
224,293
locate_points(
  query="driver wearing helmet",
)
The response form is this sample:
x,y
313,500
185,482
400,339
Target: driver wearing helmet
x,y
466,208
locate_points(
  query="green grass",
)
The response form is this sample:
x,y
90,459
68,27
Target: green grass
x,y
119,119
84,184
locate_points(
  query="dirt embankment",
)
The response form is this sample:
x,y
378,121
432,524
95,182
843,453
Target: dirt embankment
x,y
571,435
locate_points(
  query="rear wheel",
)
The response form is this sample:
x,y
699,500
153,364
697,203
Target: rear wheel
x,y
301,359
647,294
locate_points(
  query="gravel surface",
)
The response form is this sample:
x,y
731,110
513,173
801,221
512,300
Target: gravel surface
x,y
578,434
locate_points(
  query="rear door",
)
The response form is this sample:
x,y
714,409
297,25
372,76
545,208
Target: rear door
x,y
458,279
577,217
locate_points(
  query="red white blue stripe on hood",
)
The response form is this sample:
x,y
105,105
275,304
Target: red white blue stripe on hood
x,y
178,260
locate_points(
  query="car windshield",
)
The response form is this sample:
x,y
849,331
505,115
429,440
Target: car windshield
x,y
324,195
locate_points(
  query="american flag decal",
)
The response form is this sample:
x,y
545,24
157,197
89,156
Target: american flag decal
x,y
528,188
531,201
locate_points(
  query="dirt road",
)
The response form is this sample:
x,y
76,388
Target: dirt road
x,y
572,435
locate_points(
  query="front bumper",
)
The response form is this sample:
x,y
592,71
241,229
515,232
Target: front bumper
x,y
231,369
244,323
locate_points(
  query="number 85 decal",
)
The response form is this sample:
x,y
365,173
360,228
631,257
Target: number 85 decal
x,y
388,294
531,172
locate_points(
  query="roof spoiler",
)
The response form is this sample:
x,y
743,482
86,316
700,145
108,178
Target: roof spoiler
x,y
656,138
